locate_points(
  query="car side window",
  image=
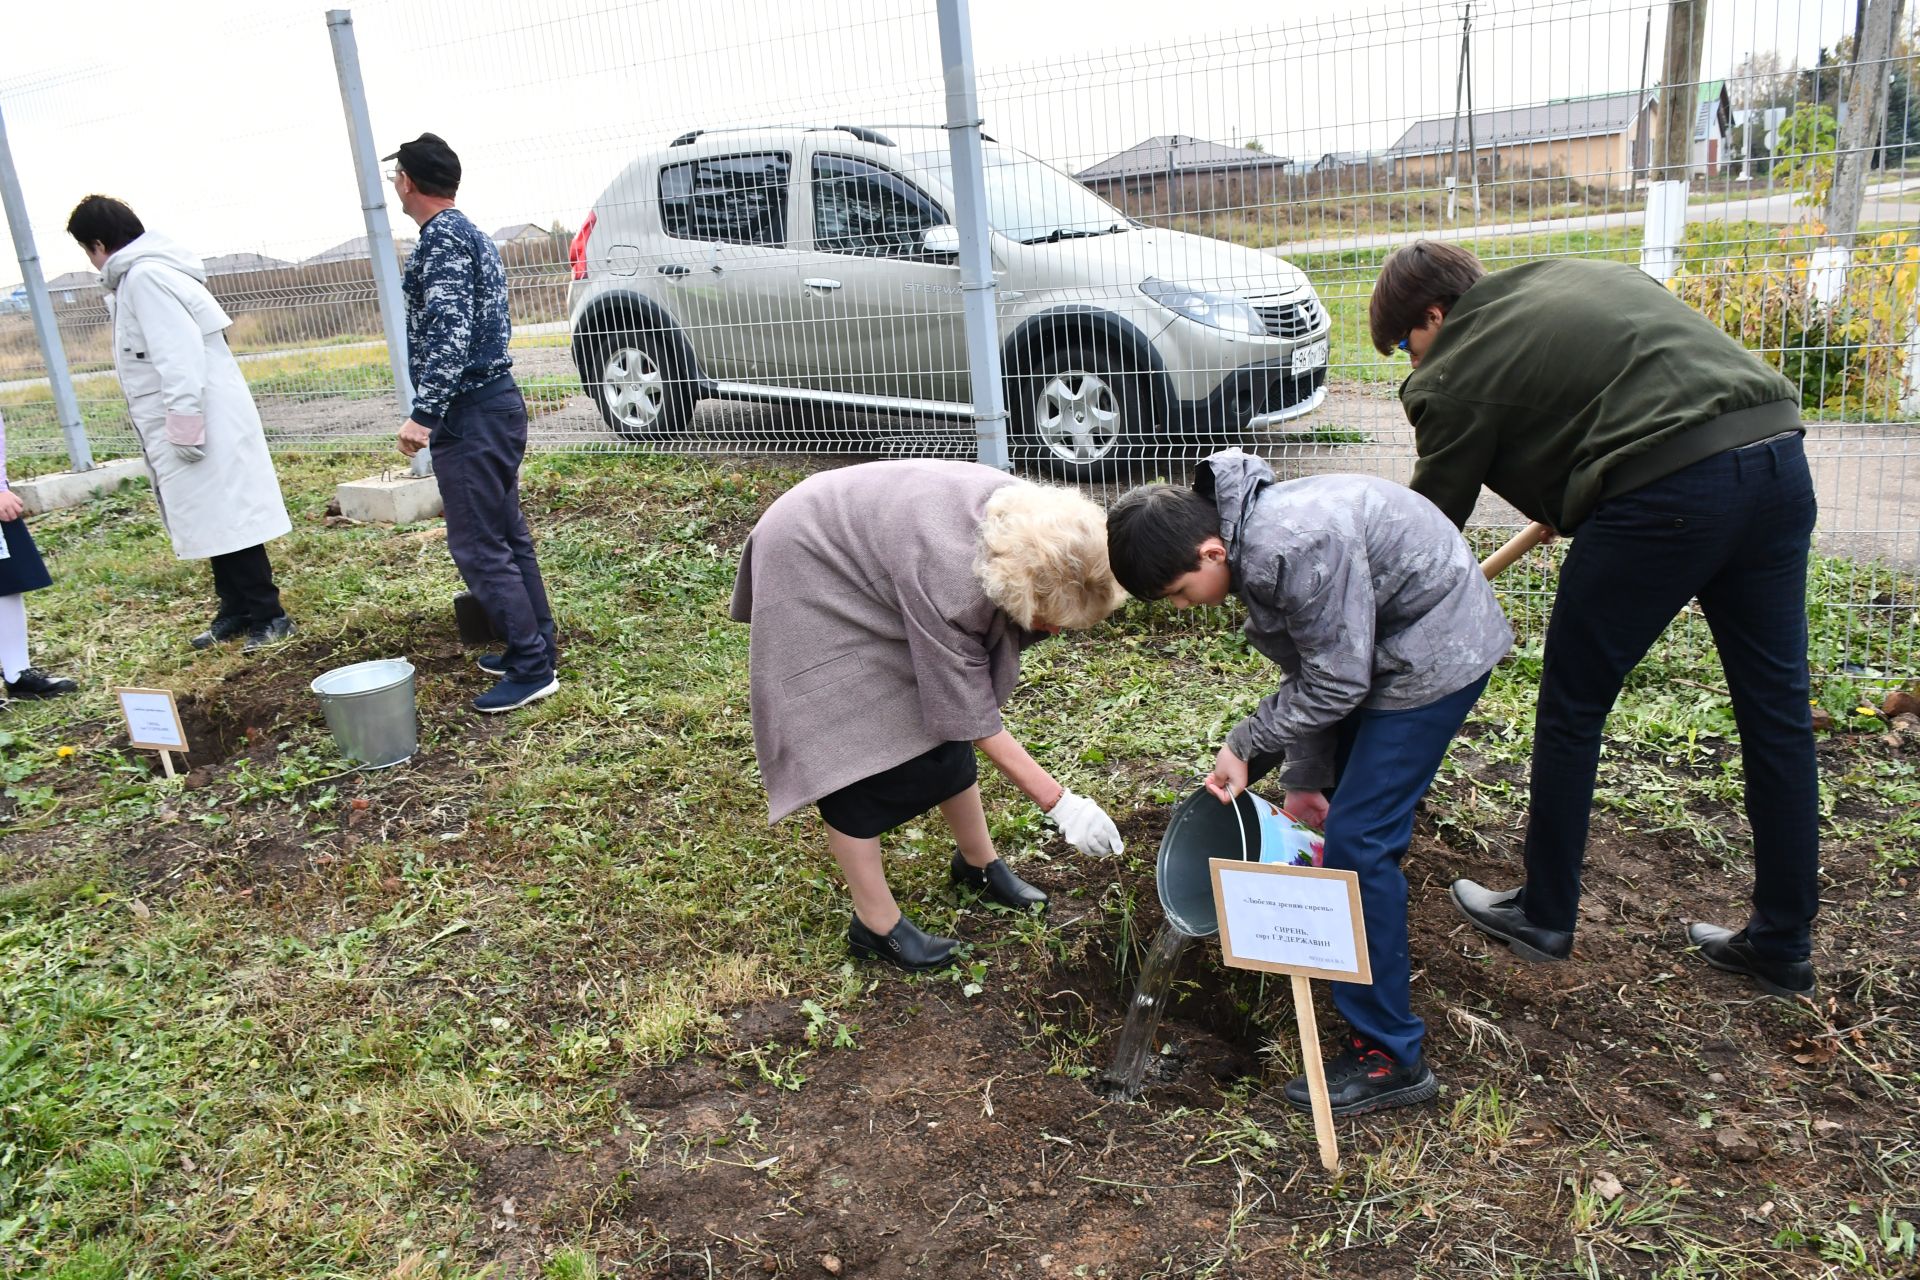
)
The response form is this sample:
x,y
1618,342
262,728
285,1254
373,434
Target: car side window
x,y
862,208
738,199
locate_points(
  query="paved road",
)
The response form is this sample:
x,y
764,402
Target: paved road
x,y
1893,203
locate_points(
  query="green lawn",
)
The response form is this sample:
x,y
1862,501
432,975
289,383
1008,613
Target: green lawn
x,y
552,1000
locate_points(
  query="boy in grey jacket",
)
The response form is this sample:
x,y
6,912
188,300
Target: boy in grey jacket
x,y
1372,604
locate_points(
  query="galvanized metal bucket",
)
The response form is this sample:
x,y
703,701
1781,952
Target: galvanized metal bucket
x,y
370,710
1252,829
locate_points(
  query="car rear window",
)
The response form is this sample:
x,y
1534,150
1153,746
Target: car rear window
x,y
740,199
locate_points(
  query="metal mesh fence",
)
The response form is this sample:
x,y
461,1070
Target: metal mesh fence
x,y
728,228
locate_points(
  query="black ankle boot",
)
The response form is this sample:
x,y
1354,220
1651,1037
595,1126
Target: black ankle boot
x,y
997,883
906,945
1725,949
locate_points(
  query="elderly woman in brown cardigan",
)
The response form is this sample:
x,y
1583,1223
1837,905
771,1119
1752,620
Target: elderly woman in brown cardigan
x,y
890,602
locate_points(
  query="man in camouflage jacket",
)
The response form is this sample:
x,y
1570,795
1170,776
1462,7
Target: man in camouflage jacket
x,y
467,407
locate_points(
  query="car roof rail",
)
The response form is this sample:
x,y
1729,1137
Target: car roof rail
x,y
865,134
686,137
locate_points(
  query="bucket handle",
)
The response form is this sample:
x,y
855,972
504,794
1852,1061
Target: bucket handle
x,y
1240,823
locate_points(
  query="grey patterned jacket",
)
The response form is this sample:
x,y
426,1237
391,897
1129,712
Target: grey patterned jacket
x,y
457,323
1363,593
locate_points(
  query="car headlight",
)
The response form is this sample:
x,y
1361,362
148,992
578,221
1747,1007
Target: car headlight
x,y
1215,310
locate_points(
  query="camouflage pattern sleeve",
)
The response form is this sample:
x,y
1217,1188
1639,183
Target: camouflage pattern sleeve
x,y
440,319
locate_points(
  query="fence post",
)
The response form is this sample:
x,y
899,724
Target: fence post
x,y
976,248
373,207
65,406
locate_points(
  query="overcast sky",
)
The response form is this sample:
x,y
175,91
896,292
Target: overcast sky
x,y
220,120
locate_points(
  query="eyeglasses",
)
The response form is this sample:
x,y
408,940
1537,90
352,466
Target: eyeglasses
x,y
393,174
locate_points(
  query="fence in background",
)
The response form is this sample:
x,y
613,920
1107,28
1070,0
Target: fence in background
x,y
727,227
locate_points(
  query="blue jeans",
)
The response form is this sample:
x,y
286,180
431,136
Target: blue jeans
x,y
1732,531
477,452
1384,762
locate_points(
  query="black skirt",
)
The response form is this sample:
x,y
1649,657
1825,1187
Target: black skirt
x,y
876,805
23,569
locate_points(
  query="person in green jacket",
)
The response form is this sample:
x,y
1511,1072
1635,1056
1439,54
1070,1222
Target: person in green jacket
x,y
1590,398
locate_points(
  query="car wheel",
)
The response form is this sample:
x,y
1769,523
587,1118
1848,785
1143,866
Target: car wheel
x,y
1079,416
636,379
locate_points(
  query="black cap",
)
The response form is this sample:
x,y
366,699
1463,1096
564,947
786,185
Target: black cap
x,y
430,162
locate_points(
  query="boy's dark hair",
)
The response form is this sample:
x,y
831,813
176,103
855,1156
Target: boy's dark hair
x,y
1154,534
1414,277
104,220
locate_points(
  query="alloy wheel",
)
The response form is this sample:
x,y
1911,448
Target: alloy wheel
x,y
1077,416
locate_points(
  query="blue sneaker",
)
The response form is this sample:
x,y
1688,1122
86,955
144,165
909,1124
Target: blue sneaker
x,y
509,694
494,664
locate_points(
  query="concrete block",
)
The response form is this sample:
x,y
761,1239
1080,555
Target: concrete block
x,y
399,500
71,488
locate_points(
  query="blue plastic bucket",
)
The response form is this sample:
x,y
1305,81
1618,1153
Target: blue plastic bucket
x,y
1252,828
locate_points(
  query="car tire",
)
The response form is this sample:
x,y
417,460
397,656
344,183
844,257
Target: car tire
x,y
1079,415
636,378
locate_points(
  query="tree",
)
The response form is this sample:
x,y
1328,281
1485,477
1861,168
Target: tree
x,y
1762,80
1254,144
1804,157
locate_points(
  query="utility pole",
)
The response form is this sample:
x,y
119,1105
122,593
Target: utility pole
x,y
1462,88
1643,144
1473,150
1666,223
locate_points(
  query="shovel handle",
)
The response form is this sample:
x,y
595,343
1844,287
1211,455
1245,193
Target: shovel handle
x,y
1518,545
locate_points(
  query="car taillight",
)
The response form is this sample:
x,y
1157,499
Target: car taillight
x,y
577,251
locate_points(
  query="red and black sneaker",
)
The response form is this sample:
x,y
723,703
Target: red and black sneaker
x,y
1367,1078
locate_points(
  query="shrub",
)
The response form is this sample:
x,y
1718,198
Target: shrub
x,y
1845,355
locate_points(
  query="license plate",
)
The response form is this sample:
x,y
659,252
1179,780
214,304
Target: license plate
x,y
1310,357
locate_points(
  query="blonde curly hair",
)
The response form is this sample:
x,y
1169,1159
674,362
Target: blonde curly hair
x,y
1042,556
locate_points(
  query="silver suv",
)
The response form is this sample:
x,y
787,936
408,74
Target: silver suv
x,y
818,268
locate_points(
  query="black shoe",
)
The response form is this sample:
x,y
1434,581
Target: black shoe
x,y
1366,1078
32,682
1725,949
268,634
225,627
1499,915
906,945
997,882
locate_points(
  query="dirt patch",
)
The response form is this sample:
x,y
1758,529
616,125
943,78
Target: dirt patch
x,y
969,1136
283,822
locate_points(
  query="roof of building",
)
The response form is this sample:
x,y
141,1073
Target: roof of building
x,y
228,264
518,231
350,251
76,280
1567,118
1177,153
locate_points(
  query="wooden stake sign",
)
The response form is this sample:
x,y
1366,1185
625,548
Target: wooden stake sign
x,y
1302,921
153,723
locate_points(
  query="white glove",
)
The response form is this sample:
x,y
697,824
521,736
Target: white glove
x,y
1086,825
189,452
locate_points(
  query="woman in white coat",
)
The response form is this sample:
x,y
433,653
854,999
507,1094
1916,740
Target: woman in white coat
x,y
198,428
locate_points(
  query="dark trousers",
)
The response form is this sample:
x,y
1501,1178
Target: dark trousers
x,y
1732,531
477,452
1384,762
244,582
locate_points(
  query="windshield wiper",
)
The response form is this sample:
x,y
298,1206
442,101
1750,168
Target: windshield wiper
x,y
1063,233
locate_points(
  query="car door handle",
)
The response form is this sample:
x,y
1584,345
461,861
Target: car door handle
x,y
821,283
675,269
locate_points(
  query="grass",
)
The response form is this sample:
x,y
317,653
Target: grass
x,y
212,1067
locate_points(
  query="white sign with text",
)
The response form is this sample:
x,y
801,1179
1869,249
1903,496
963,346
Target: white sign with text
x,y
153,722
1285,919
